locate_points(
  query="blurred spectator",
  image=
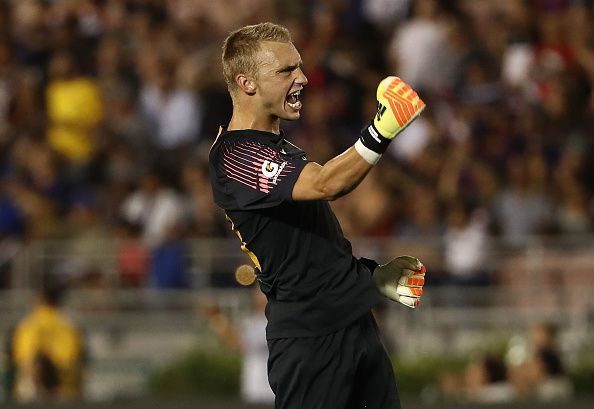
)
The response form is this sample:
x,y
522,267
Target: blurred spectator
x,y
254,374
412,141
154,206
541,374
422,218
87,262
6,91
248,339
26,112
572,213
74,108
8,250
206,219
39,212
466,251
376,220
132,256
522,209
12,218
384,12
168,262
40,170
48,351
120,173
487,381
173,113
550,381
418,45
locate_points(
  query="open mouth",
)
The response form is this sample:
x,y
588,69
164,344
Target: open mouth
x,y
293,100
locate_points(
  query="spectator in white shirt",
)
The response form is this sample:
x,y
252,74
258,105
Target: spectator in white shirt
x,y
155,207
174,113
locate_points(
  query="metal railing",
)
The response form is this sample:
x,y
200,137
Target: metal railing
x,y
133,329
565,259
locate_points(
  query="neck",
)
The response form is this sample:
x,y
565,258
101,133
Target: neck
x,y
248,116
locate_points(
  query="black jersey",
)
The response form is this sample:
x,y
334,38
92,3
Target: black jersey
x,y
304,264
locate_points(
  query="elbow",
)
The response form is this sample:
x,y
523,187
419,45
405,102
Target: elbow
x,y
333,197
330,192
336,194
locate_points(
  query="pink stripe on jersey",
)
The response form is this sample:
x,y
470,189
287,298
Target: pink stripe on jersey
x,y
254,165
261,153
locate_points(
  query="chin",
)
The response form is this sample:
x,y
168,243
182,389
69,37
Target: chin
x,y
290,114
293,117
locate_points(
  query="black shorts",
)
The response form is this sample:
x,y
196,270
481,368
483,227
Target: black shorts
x,y
348,369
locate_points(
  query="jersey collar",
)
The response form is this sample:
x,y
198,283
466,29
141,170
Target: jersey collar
x,y
254,132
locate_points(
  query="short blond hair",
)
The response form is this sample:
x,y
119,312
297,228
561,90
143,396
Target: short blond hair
x,y
240,47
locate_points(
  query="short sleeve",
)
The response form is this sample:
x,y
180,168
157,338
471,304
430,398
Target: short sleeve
x,y
257,175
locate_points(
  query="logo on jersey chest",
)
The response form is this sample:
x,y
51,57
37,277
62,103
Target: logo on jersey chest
x,y
272,170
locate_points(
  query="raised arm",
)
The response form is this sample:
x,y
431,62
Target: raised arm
x,y
398,106
336,178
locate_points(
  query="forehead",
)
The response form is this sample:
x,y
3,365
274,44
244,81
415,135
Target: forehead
x,y
273,55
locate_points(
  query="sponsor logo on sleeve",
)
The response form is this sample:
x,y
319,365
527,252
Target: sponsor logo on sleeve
x,y
271,169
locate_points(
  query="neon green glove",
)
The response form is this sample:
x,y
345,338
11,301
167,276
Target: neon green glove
x,y
401,280
398,105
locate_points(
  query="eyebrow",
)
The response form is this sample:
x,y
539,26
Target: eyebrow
x,y
291,67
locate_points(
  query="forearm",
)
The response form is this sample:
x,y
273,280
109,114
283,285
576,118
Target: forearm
x,y
342,174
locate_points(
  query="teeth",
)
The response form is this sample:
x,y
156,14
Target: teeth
x,y
293,100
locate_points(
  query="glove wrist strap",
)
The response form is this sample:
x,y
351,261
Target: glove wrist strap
x,y
370,156
373,140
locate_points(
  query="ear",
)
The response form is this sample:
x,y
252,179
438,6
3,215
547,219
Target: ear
x,y
246,84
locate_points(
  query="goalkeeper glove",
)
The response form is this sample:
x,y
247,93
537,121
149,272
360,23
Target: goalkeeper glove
x,y
401,280
397,106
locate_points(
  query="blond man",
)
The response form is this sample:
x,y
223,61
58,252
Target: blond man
x,y
324,349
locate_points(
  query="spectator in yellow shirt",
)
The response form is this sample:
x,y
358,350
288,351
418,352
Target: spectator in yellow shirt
x,y
74,108
48,352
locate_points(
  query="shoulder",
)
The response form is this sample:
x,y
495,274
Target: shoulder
x,y
22,326
245,143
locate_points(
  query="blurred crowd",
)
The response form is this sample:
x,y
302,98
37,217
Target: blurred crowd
x,y
108,109
531,367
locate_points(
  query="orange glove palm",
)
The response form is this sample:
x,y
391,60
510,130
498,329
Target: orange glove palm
x,y
401,280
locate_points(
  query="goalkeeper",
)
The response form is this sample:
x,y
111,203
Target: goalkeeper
x,y
324,349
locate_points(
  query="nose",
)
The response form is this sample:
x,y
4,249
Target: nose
x,y
301,78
